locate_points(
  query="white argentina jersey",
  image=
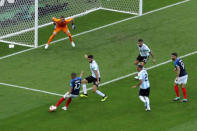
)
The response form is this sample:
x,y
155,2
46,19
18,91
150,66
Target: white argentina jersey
x,y
144,50
94,66
143,75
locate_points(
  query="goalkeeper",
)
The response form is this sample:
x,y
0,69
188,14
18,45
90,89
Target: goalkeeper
x,y
61,25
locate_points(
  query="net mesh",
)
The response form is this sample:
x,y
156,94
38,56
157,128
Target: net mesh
x,y
17,17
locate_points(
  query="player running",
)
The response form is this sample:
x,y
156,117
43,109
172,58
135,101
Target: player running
x,y
61,25
181,77
144,54
144,85
94,78
75,85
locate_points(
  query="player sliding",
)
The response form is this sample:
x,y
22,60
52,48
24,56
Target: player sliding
x,y
94,78
61,25
181,77
144,85
75,85
144,54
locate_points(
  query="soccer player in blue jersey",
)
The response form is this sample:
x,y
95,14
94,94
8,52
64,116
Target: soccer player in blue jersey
x,y
181,77
75,85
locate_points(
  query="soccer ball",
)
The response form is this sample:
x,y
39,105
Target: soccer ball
x,y
52,108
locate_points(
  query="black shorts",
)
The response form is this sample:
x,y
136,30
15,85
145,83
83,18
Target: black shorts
x,y
144,92
93,80
142,58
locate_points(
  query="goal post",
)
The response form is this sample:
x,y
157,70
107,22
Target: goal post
x,y
20,20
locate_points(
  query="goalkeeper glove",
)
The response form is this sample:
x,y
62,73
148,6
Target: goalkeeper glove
x,y
73,26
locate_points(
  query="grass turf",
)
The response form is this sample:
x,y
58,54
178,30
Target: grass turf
x,y
165,31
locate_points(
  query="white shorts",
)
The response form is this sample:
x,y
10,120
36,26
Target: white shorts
x,y
70,96
182,80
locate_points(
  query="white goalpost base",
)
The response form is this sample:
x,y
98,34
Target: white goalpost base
x,y
23,30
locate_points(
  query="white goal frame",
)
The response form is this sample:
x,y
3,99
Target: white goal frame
x,y
37,26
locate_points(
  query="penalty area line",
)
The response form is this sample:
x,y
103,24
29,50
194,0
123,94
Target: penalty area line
x,y
98,28
102,84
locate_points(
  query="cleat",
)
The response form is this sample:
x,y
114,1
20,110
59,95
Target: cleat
x,y
64,108
84,95
148,110
104,98
73,44
46,46
176,99
184,100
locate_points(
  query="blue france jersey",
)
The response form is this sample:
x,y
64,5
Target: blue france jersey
x,y
179,63
75,84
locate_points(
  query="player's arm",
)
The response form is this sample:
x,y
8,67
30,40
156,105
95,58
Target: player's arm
x,y
140,82
152,55
81,75
69,92
178,72
97,76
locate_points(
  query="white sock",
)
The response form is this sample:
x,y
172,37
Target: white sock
x,y
84,89
100,93
142,99
147,102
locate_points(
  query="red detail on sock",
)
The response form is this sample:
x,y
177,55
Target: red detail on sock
x,y
68,102
60,101
176,88
184,93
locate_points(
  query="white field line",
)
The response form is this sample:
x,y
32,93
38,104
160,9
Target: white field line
x,y
103,84
31,89
98,28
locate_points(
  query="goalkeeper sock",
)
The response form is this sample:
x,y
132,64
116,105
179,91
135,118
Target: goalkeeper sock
x,y
60,101
70,38
50,39
84,89
68,102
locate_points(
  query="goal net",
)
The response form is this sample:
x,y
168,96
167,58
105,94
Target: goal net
x,y
21,19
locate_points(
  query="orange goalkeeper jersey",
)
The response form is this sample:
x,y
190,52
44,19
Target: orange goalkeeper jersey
x,y
60,23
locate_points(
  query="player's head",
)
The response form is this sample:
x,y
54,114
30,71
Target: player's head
x,y
174,56
90,58
140,42
73,75
139,67
62,18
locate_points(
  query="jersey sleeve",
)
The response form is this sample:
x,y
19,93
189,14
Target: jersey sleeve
x,y
71,83
55,19
147,48
140,77
69,20
176,64
94,67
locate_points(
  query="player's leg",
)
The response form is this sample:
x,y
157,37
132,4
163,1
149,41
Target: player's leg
x,y
62,99
183,87
146,97
176,89
66,30
52,36
95,90
69,99
84,82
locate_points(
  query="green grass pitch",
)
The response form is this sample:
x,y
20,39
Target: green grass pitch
x,y
114,48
